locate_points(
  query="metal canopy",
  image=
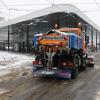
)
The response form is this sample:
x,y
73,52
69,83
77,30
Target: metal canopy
x,y
66,8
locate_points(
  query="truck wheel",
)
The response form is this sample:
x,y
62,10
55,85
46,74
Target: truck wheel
x,y
91,65
75,71
80,61
83,65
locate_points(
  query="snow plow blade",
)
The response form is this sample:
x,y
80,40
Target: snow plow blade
x,y
59,73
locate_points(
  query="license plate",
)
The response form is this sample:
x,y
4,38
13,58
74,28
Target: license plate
x,y
35,65
47,72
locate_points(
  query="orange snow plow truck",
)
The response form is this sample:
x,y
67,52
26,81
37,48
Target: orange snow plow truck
x,y
60,53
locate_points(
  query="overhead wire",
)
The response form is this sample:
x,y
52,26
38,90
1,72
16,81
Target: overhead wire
x,y
46,4
85,11
50,3
6,7
20,9
97,3
94,10
4,4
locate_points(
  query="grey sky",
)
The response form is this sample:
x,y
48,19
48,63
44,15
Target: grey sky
x,y
21,7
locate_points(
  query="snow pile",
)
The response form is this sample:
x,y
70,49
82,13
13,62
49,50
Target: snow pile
x,y
10,61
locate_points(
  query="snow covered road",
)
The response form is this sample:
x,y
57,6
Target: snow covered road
x,y
18,83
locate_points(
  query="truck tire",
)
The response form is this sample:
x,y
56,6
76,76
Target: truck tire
x,y
83,64
91,65
80,61
75,71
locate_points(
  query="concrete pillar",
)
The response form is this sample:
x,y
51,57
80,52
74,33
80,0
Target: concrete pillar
x,y
27,38
8,37
99,40
96,40
92,36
